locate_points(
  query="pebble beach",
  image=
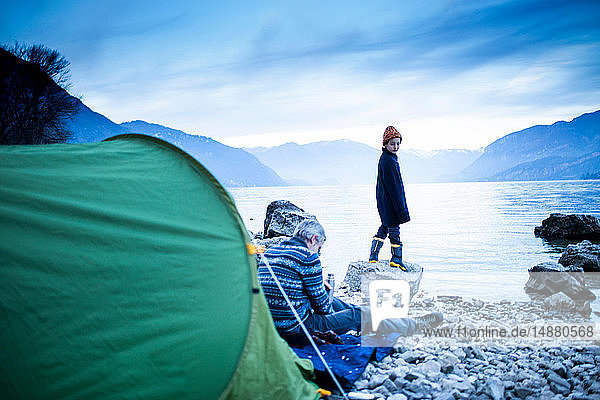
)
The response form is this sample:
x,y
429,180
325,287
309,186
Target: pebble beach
x,y
471,367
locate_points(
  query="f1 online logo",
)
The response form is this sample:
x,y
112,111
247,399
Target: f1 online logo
x,y
388,299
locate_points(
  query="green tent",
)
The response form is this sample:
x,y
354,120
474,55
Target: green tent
x,y
125,273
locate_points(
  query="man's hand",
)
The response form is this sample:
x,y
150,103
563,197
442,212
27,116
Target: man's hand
x,y
327,285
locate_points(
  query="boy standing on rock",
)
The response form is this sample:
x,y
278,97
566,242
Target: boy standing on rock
x,y
391,201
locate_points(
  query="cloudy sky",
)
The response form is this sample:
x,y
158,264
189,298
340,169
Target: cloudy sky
x,y
447,74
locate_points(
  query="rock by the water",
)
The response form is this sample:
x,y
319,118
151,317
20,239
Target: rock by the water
x,y
560,302
584,255
571,226
278,204
550,266
266,243
361,273
282,218
549,278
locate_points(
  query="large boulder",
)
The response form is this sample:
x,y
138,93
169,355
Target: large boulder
x,y
267,243
584,255
282,218
549,278
572,226
361,273
551,266
560,302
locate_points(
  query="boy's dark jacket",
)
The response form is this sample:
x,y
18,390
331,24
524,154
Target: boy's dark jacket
x,y
391,201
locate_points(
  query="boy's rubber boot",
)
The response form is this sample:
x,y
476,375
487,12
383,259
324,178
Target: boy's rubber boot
x,y
375,247
396,260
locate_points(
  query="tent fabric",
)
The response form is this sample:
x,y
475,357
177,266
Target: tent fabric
x,y
124,273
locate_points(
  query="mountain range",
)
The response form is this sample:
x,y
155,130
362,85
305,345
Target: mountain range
x,y
320,163
231,166
563,150
347,162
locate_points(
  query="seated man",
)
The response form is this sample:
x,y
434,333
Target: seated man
x,y
296,265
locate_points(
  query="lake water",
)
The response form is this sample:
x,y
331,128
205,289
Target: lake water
x,y
472,239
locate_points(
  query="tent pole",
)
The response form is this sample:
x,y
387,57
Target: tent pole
x,y
308,336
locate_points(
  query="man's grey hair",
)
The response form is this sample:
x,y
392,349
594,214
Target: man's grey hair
x,y
309,228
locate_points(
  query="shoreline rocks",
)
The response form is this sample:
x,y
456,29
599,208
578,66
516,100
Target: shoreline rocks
x,y
453,368
498,376
584,255
560,288
569,226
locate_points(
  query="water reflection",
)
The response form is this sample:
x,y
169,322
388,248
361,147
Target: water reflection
x,y
473,239
557,246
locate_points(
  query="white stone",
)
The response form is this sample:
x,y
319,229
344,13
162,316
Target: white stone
x,y
397,396
495,388
430,367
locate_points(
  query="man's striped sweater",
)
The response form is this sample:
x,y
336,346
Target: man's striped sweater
x,y
300,274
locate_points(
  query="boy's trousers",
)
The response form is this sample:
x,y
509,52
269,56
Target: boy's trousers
x,y
393,231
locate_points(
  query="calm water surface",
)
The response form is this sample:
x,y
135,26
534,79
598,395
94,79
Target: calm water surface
x,y
473,239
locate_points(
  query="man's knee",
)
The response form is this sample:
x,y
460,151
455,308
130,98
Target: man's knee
x,y
340,305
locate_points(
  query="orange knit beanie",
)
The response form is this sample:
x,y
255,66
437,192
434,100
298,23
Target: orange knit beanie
x,y
390,133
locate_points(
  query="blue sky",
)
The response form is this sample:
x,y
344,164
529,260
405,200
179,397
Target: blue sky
x,y
447,74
